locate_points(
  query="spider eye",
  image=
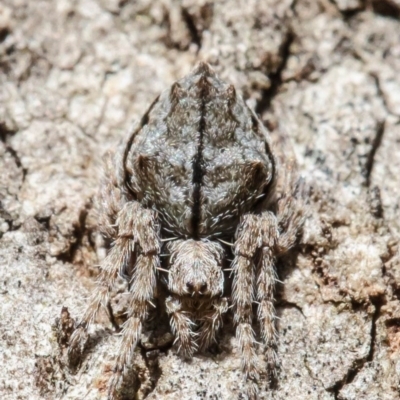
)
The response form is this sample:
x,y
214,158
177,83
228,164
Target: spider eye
x,y
199,288
195,268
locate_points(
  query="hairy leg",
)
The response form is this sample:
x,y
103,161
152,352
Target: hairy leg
x,y
114,262
110,200
141,294
266,280
245,249
182,326
291,209
254,248
138,235
211,321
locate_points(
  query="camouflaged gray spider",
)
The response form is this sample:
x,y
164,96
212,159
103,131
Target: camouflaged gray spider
x,y
195,179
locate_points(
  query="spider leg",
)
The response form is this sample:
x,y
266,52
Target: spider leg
x,y
109,201
266,281
111,214
246,245
257,243
119,255
211,321
254,258
141,293
137,242
291,209
181,325
143,224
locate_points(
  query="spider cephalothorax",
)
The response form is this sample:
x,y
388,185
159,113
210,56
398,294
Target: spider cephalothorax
x,y
195,268
196,173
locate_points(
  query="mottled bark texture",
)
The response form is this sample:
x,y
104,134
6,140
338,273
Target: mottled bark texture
x,y
73,77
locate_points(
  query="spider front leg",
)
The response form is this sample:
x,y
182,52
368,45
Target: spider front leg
x,y
253,267
141,293
137,243
266,280
182,325
117,258
211,321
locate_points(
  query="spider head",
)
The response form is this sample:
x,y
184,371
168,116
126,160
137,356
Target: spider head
x,y
195,268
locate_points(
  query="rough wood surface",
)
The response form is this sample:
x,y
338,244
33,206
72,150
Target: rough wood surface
x,y
75,74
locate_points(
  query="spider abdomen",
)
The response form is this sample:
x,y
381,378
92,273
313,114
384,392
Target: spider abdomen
x,y
195,162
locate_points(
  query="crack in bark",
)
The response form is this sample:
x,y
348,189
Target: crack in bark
x,y
349,13
381,93
276,77
377,304
353,371
293,7
196,36
374,148
359,364
4,134
290,305
79,233
386,8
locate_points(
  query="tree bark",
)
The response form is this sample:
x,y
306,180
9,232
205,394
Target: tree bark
x,y
73,77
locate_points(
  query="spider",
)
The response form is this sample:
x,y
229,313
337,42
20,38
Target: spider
x,y
196,179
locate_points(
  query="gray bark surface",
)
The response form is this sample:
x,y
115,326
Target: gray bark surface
x,y
73,77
